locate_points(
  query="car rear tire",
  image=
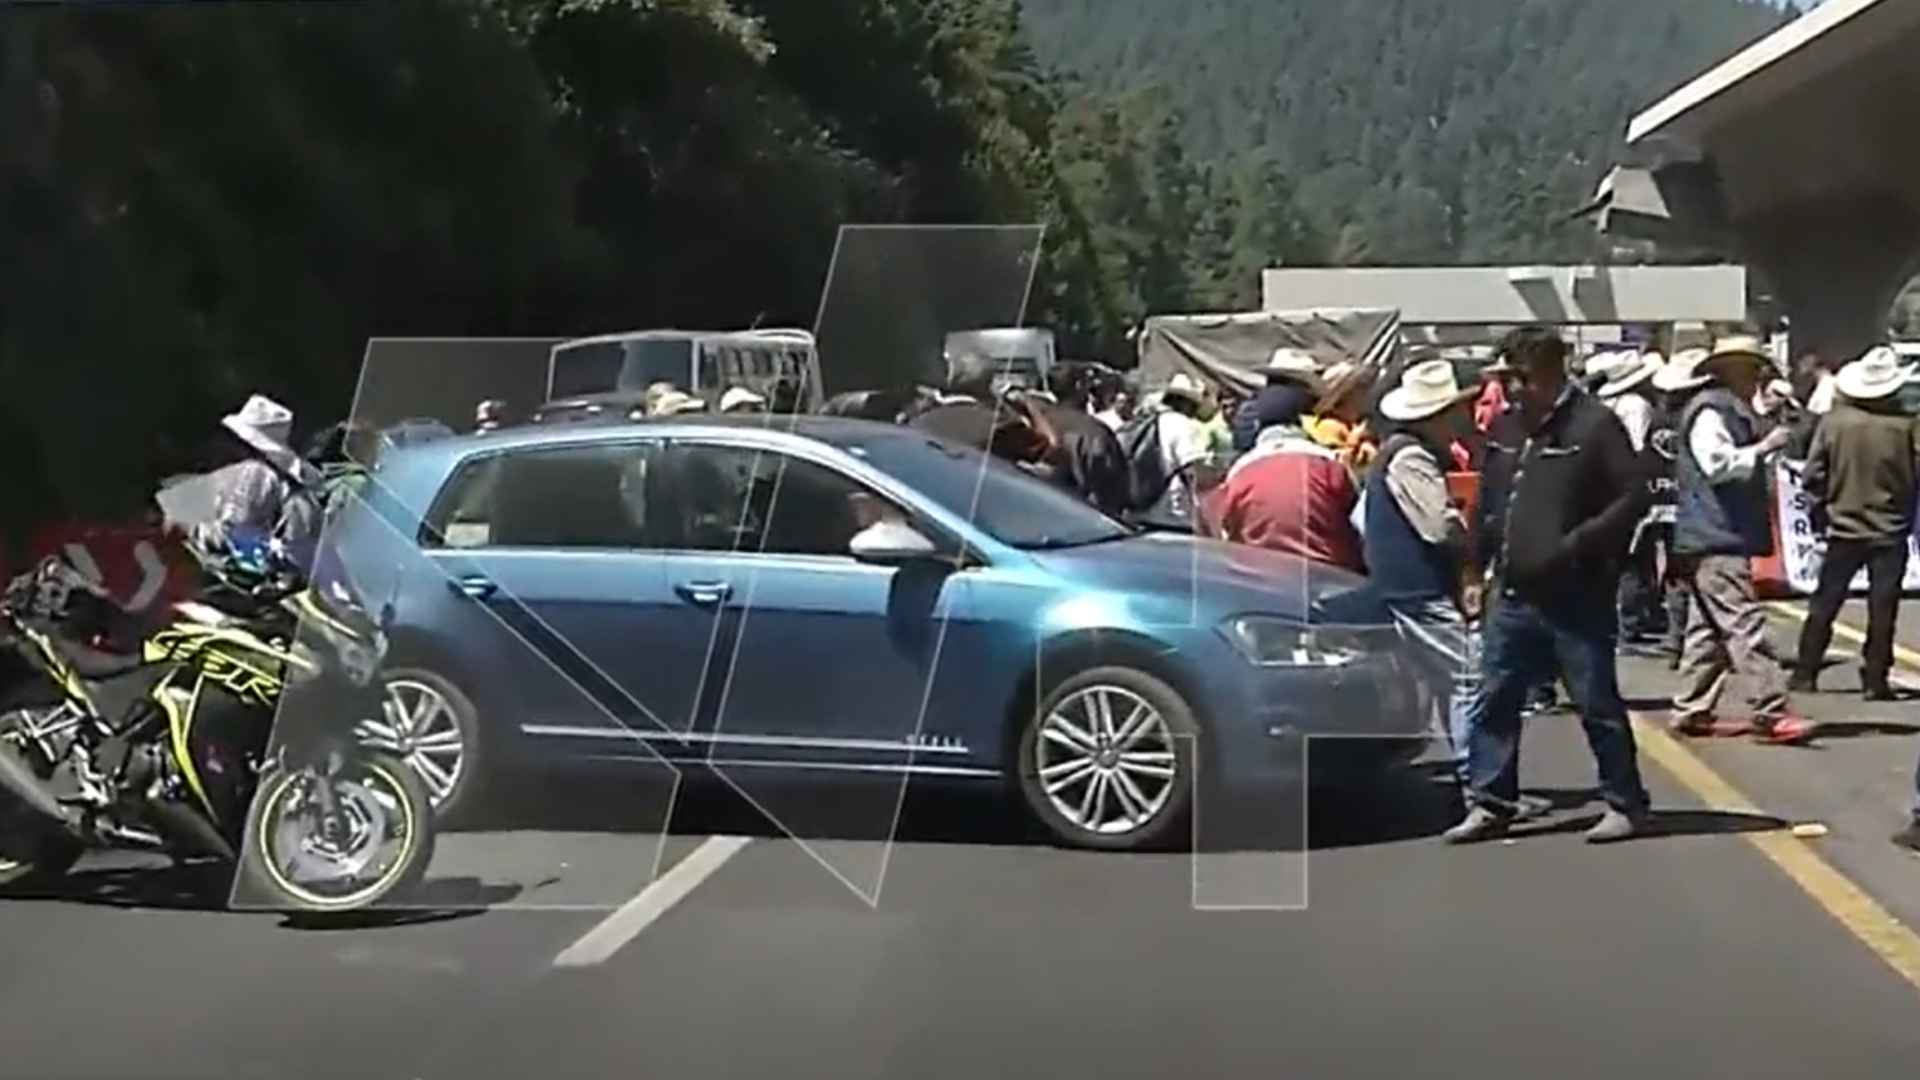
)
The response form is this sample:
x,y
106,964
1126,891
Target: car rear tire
x,y
1107,761
442,743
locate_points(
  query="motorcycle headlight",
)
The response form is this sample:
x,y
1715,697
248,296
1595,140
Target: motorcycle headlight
x,y
304,666
1275,642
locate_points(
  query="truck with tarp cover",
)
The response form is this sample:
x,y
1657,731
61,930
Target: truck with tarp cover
x,y
1228,351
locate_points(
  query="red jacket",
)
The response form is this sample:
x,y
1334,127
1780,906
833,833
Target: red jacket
x,y
1293,496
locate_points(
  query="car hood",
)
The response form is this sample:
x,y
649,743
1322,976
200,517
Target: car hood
x,y
1207,577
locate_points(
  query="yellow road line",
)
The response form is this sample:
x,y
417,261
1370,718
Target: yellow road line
x,y
1850,906
1904,655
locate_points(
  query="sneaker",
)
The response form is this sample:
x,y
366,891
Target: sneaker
x,y
1615,826
1789,730
1479,824
1908,837
1878,692
1803,683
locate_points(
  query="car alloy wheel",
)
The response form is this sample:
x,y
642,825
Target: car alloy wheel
x,y
1106,760
421,728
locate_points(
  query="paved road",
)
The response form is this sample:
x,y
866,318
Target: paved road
x,y
988,954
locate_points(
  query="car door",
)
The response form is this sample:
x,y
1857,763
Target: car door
x,y
550,551
817,659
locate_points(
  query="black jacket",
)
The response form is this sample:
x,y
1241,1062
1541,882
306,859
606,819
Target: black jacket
x,y
1558,506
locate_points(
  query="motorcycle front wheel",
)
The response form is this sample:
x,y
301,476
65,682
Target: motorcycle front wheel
x,y
374,848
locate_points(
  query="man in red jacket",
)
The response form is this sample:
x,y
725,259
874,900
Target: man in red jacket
x,y
1289,493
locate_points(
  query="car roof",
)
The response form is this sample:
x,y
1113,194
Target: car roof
x,y
791,432
769,335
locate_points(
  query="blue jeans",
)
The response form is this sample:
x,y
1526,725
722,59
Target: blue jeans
x,y
1524,642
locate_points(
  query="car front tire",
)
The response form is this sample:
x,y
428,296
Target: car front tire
x,y
434,729
1107,761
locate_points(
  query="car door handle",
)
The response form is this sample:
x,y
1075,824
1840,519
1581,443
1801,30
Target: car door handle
x,y
473,587
704,593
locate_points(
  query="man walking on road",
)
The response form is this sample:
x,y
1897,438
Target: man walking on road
x,y
1860,478
1561,492
1722,523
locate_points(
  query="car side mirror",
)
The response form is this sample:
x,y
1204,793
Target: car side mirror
x,y
890,543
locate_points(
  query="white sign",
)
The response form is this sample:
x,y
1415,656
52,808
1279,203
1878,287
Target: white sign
x,y
1801,549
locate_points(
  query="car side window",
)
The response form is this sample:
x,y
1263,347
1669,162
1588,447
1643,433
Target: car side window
x,y
732,498
594,496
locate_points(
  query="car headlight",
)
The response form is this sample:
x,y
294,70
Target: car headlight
x,y
1276,642
358,662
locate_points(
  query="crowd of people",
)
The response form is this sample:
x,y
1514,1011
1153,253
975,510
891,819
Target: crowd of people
x,y
1624,503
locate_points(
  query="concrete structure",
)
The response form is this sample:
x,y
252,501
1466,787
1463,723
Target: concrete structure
x,y
1800,156
1481,295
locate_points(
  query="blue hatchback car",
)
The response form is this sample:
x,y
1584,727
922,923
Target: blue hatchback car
x,y
832,597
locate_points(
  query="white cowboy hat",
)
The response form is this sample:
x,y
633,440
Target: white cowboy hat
x,y
264,424
1629,375
1183,385
1607,363
1296,364
738,397
675,402
1426,389
1682,372
1875,375
1739,348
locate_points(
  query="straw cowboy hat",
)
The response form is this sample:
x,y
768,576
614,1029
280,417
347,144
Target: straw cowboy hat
x,y
1426,389
1295,364
1626,376
1875,375
1183,385
1739,349
1682,372
264,424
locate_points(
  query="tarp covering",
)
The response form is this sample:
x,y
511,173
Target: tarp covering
x,y
1228,351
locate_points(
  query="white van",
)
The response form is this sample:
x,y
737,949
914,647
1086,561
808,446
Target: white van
x,y
702,363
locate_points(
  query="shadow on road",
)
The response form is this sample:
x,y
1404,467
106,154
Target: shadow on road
x,y
206,886
189,887
1400,804
1711,823
1860,729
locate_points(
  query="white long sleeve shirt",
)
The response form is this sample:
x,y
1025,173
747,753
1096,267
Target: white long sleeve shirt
x,y
1714,451
1636,415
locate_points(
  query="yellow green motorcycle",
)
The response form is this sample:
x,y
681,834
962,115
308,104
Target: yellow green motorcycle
x,y
228,735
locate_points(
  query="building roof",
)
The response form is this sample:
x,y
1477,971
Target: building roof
x,y
1836,34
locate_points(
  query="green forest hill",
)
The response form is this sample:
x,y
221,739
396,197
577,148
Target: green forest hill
x,y
198,201
1412,131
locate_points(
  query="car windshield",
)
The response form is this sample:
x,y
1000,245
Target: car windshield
x,y
999,499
